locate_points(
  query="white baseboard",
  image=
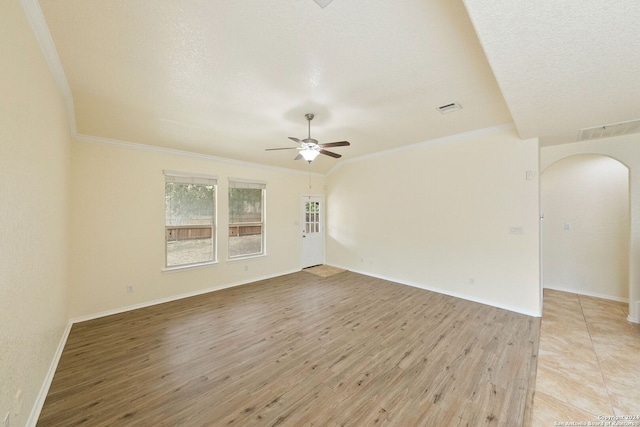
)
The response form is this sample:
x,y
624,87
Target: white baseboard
x,y
39,403
447,292
586,293
176,297
37,407
633,319
35,412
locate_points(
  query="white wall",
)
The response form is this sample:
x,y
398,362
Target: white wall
x,y
34,158
585,232
625,149
117,238
439,215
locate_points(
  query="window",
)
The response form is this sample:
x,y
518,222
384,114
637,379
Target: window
x,y
189,219
246,218
311,217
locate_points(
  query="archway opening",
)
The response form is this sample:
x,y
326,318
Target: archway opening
x,y
585,232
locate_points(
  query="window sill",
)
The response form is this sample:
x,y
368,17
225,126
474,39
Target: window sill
x,y
188,267
244,258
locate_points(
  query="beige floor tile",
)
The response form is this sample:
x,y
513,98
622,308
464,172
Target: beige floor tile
x,y
547,411
574,379
622,378
609,339
625,402
587,361
560,340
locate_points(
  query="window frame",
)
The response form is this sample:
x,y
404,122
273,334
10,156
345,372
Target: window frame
x,y
248,184
196,179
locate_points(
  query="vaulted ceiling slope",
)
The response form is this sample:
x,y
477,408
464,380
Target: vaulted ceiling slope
x,y
232,78
563,65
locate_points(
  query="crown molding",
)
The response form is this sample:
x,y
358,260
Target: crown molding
x,y
45,41
441,140
190,154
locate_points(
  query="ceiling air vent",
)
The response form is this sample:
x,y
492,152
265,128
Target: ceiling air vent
x,y
449,108
607,131
323,3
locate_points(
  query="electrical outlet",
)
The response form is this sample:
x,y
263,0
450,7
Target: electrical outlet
x,y
246,268
472,281
6,422
129,289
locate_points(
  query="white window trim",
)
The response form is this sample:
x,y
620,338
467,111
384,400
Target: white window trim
x,y
255,184
189,266
194,178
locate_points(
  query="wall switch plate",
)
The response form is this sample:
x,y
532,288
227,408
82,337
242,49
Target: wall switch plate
x,y
515,230
129,289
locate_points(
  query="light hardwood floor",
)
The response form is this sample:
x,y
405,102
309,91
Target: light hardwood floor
x,y
588,362
347,350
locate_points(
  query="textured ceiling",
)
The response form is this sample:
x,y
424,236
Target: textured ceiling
x,y
563,65
231,78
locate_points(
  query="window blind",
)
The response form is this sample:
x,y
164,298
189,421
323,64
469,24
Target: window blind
x,y
240,183
189,178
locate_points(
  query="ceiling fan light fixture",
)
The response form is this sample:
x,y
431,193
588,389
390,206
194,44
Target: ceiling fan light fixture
x,y
309,148
309,154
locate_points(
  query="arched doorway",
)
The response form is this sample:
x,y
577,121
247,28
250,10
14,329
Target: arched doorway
x,y
585,230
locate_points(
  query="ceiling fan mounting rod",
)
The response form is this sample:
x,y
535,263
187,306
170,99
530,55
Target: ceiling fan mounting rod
x,y
309,117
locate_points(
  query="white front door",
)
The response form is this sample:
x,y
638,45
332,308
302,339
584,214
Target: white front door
x,y
312,231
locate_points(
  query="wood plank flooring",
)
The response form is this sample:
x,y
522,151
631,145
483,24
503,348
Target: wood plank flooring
x,y
299,350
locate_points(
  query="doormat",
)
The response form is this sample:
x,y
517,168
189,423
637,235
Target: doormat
x,y
323,270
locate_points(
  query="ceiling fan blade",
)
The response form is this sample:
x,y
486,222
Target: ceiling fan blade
x,y
329,153
295,139
285,148
336,144
298,157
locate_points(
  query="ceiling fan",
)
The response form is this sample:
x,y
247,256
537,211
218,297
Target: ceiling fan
x,y
309,148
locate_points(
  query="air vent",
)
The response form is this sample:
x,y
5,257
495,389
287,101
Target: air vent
x,y
607,131
449,108
323,3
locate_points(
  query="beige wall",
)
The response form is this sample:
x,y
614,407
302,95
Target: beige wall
x,y
625,149
585,232
439,216
117,217
34,157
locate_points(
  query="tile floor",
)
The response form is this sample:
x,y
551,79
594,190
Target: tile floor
x,y
588,362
